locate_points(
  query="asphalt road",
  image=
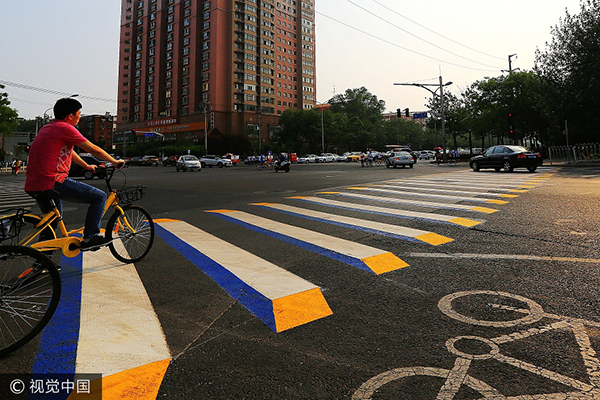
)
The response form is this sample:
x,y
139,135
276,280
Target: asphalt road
x,y
477,304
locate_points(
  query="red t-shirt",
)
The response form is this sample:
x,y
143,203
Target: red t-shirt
x,y
50,155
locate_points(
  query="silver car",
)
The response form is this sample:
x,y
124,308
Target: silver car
x,y
188,163
402,158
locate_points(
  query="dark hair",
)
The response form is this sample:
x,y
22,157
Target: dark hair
x,y
66,106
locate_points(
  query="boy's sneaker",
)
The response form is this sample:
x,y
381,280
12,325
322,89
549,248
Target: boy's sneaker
x,y
93,243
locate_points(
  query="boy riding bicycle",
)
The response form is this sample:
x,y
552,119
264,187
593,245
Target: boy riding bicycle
x,y
50,160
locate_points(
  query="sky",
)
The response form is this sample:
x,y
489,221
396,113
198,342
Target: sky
x,y
50,49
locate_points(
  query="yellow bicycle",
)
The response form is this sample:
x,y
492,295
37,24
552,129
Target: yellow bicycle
x,y
129,230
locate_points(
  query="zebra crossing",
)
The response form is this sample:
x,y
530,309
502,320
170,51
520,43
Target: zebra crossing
x,y
306,303
95,286
12,195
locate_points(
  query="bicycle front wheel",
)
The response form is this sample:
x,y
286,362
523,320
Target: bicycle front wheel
x,y
29,294
132,234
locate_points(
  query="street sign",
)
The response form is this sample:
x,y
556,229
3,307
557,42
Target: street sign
x,y
147,134
419,115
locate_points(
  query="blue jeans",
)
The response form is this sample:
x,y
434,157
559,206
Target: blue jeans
x,y
78,192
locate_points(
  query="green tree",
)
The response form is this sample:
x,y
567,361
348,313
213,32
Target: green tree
x,y
364,113
569,67
8,119
301,131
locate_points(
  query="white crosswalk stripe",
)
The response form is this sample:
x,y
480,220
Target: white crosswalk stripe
x,y
12,195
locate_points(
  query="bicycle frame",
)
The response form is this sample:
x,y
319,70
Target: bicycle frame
x,y
68,243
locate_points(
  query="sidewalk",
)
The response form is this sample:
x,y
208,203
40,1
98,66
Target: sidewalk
x,y
8,170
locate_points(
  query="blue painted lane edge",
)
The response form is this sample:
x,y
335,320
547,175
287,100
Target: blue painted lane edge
x,y
252,300
299,243
57,350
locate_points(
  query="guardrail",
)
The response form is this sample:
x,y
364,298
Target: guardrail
x,y
580,153
6,167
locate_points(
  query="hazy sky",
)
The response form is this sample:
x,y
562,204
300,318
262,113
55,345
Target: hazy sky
x,y
71,46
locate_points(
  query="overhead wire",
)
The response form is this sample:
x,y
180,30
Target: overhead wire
x,y
49,91
419,38
402,47
436,33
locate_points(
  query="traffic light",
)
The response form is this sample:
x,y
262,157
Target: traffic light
x,y
406,113
31,136
511,124
398,112
27,148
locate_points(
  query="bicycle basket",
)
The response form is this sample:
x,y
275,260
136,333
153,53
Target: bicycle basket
x,y
131,194
11,221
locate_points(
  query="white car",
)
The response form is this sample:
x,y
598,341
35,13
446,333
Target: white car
x,y
215,161
188,163
309,158
326,157
402,158
427,155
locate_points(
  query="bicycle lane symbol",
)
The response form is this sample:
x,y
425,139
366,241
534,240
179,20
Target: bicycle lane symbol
x,y
530,313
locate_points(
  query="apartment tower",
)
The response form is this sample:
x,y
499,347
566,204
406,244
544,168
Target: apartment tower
x,y
228,66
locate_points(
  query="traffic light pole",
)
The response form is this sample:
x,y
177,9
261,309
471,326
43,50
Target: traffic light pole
x,y
440,87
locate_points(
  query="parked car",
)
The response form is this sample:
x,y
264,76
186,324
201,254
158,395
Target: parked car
x,y
134,160
78,171
354,156
188,163
234,159
148,161
309,158
327,157
427,155
402,158
170,161
215,161
507,158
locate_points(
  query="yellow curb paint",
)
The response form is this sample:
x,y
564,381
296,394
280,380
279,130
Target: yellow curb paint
x,y
464,222
497,201
485,210
260,204
357,188
518,191
383,263
300,308
526,186
141,383
509,196
433,239
159,220
220,211
297,197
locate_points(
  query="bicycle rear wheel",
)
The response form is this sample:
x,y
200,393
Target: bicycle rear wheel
x,y
29,294
130,245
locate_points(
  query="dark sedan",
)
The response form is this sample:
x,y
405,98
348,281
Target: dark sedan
x,y
100,172
507,158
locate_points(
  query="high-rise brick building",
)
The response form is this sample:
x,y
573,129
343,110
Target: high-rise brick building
x,y
238,64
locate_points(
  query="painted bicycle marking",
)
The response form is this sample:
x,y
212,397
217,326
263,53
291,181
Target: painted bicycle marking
x,y
510,310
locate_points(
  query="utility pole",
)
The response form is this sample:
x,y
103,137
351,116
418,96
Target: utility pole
x,y
205,108
510,69
440,87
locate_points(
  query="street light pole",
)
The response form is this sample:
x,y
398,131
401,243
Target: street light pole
x,y
322,128
205,106
440,87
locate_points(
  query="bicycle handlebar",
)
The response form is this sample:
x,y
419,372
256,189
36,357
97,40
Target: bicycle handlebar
x,y
109,173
